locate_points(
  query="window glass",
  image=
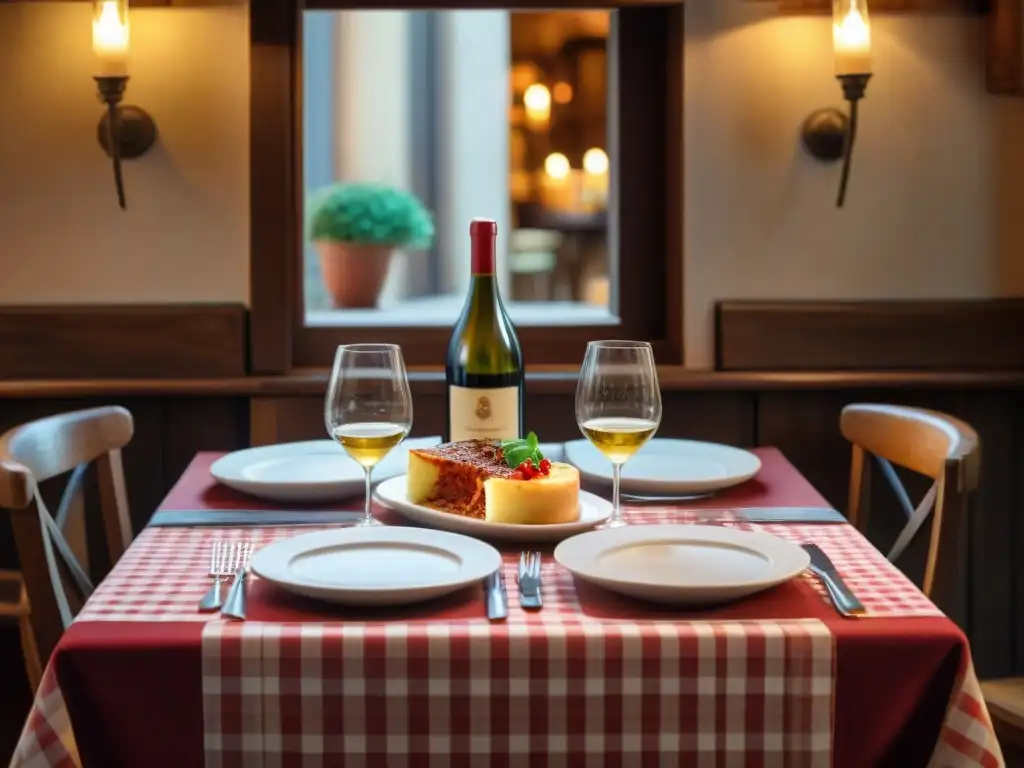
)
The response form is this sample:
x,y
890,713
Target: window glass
x,y
492,114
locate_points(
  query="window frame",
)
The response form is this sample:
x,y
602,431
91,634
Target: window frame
x,y
647,160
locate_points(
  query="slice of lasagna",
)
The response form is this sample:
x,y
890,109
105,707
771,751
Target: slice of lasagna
x,y
472,478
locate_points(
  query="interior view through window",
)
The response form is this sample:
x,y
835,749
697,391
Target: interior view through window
x,y
493,114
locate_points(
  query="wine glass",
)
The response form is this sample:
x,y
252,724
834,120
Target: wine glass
x,y
618,404
368,408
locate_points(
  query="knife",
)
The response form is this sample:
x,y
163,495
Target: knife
x,y
234,605
213,517
497,597
844,600
769,514
785,514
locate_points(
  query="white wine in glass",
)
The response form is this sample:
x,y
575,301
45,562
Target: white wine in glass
x,y
618,404
368,408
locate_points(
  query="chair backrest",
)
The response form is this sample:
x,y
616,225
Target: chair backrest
x,y
930,443
39,451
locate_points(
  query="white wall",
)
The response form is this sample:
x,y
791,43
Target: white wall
x,y
935,203
185,234
935,208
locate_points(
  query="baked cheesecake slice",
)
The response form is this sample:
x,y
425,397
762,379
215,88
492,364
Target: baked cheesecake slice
x,y
541,500
472,478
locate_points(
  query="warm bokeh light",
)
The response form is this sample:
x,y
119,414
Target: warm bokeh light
x,y
851,37
556,165
562,92
595,161
537,100
110,37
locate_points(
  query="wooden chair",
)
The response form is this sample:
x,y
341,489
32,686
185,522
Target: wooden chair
x,y
52,583
947,450
933,444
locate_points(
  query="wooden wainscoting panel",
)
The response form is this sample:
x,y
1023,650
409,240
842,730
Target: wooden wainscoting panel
x,y
193,424
112,342
726,417
851,336
996,532
17,698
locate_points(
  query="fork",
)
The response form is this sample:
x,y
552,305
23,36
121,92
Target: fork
x,y
224,558
529,580
234,605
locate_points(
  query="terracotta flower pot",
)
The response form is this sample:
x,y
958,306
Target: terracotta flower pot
x,y
353,273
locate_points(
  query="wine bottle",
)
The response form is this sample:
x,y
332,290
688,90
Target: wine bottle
x,y
484,368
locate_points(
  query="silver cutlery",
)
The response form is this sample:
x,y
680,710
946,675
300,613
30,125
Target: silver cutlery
x,y
234,605
842,598
224,559
529,581
262,517
642,498
770,514
497,597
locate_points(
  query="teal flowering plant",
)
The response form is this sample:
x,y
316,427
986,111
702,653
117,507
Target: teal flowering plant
x,y
370,214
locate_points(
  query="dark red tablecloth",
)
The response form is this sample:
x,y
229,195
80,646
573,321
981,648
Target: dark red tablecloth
x,y
133,689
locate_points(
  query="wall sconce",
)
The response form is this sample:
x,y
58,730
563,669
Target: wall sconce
x,y
123,132
828,134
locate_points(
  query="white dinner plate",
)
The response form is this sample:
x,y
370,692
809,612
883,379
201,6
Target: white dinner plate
x,y
376,566
593,511
312,471
667,466
682,564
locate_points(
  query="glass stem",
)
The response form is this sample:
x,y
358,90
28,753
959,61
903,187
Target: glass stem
x,y
366,508
616,506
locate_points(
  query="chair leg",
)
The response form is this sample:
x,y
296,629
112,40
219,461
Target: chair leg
x,y
33,664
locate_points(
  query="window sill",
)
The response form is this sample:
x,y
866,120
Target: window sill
x,y
443,311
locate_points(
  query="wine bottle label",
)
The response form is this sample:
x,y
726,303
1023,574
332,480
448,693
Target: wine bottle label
x,y
483,414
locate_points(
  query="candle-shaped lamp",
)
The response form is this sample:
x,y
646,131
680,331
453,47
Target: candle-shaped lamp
x,y
124,132
851,43
828,134
110,35
851,37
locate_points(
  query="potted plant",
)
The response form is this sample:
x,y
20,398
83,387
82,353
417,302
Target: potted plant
x,y
356,228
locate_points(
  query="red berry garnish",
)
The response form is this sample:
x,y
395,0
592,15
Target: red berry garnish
x,y
545,466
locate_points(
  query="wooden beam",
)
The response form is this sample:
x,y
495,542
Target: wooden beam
x,y
114,341
944,7
1004,60
870,335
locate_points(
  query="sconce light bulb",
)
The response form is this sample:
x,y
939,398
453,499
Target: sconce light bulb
x,y
853,32
110,36
851,37
556,165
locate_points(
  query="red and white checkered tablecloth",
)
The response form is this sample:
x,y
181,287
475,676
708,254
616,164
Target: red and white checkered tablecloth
x,y
546,684
47,740
557,693
162,576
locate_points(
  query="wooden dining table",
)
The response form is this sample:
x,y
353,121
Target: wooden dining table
x,y
142,678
